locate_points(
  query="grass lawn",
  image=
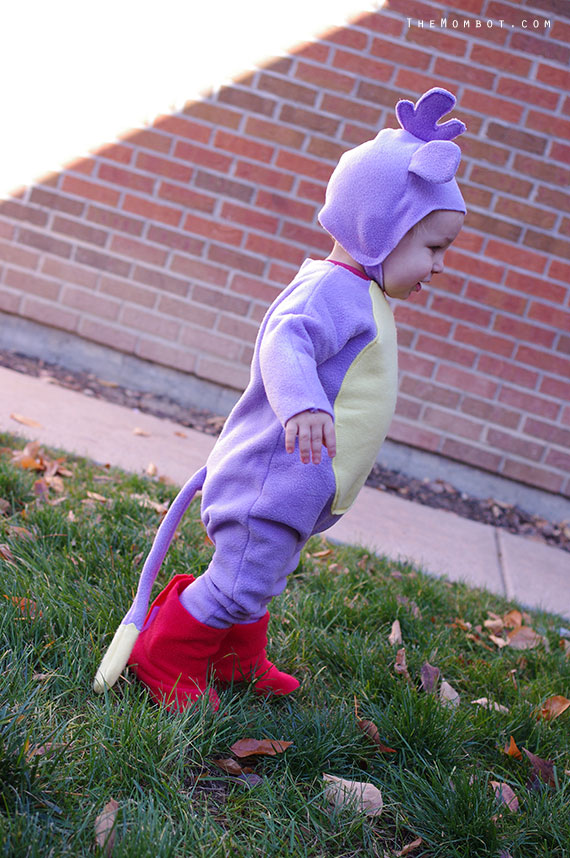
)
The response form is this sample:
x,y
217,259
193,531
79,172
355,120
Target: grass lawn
x,y
71,547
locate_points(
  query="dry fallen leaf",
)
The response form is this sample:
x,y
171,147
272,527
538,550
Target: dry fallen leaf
x,y
553,707
448,695
512,751
523,637
26,421
430,677
400,665
490,704
6,553
371,731
504,793
541,769
148,503
105,827
249,747
232,767
358,794
513,619
409,848
27,607
500,642
97,497
395,636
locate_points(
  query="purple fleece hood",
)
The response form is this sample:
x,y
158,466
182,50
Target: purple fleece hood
x,y
381,188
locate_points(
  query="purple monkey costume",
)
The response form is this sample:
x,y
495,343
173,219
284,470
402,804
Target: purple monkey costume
x,y
328,342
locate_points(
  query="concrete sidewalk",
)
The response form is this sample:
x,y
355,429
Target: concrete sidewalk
x,y
437,541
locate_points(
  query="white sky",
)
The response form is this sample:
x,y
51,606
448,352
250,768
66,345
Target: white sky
x,y
77,73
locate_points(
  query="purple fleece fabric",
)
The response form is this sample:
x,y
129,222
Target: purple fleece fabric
x,y
381,189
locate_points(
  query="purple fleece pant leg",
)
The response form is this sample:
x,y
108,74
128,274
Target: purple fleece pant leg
x,y
249,567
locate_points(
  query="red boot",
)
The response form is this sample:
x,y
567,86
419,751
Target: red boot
x,y
242,658
174,652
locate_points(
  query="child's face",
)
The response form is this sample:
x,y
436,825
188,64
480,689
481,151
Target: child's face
x,y
419,254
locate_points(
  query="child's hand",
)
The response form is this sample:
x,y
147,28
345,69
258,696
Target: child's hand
x,y
314,429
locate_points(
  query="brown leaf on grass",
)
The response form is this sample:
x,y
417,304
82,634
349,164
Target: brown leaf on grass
x,y
498,641
105,827
97,497
41,490
6,553
490,704
4,506
43,750
268,747
28,608
553,707
371,731
513,619
148,503
16,532
448,695
400,665
358,794
512,751
326,552
232,767
523,637
541,770
26,421
430,676
395,636
505,794
409,848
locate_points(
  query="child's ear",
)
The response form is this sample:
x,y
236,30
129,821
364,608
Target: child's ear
x,y
436,161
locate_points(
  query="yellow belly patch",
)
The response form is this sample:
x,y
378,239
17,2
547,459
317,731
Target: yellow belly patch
x,y
365,405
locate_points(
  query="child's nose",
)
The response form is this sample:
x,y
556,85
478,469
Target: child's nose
x,y
437,266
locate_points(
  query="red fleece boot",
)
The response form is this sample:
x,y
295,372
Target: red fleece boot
x,y
174,652
242,658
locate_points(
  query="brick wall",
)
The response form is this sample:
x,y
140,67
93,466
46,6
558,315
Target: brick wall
x,y
170,243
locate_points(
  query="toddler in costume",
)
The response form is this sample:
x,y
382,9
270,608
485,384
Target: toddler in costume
x,y
324,372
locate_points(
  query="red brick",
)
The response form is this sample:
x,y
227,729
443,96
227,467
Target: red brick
x,y
544,360
223,300
546,171
556,199
287,206
500,59
559,151
280,65
472,265
354,134
312,191
259,289
272,249
281,272
139,250
31,214
102,261
500,180
159,279
186,311
547,432
116,152
529,402
174,238
306,236
491,413
464,72
348,37
558,459
167,355
295,92
376,94
152,211
227,374
213,113
109,335
79,165
227,187
115,221
127,291
555,387
182,127
443,349
523,91
429,392
493,225
419,321
564,345
290,137
16,255
129,179
490,365
515,445
212,229
559,271
361,65
239,145
150,323
453,424
408,408
415,83
525,282
417,364
533,475
468,454
547,243
299,164
476,197
453,309
90,302
243,330
479,339
524,258
350,109
310,119
263,176
541,47
196,269
560,31
202,156
208,343
326,78
317,51
529,214
557,126
517,139
49,314
554,76
439,40
465,381
548,315
149,139
481,150
10,302
247,100
237,260
380,22
163,167
56,201
7,230
26,282
520,330
46,242
470,241
68,272
407,433
90,191
250,217
81,231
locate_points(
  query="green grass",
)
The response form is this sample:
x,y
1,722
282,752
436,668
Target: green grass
x,y
78,567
